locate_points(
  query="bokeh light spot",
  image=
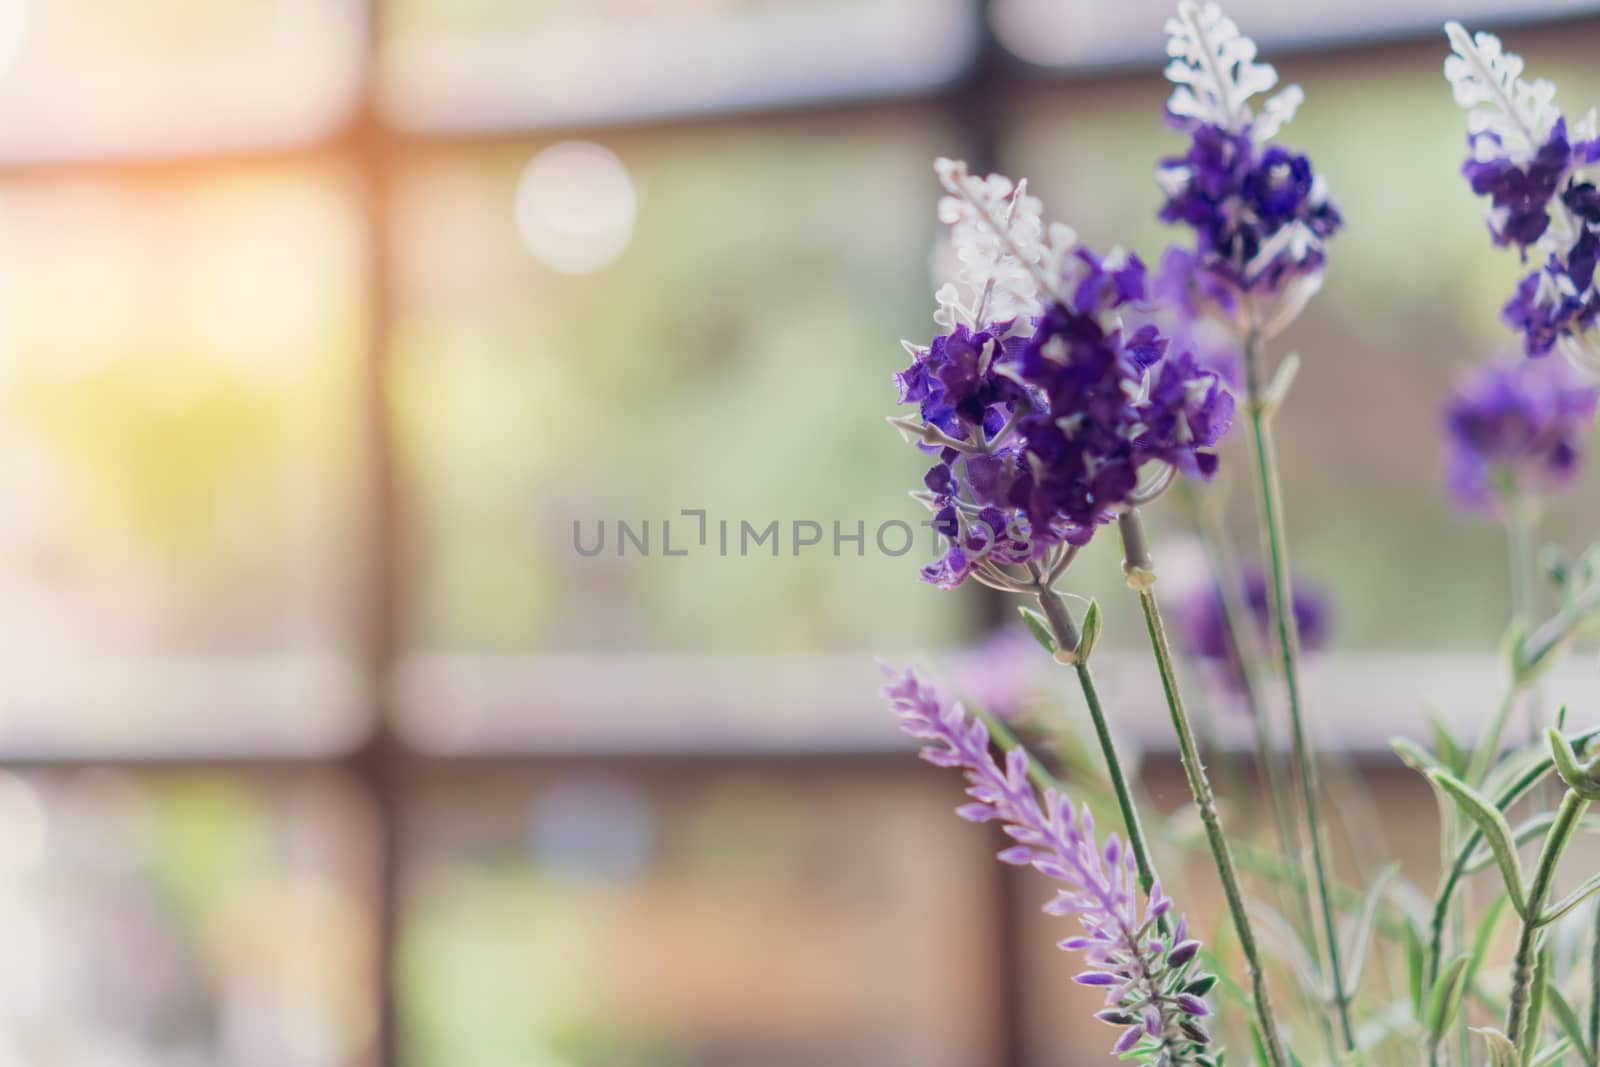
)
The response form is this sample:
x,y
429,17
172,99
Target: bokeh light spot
x,y
575,207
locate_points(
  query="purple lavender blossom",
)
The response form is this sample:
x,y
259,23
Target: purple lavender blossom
x,y
1152,991
1516,430
1541,185
1203,621
1042,408
1002,674
1260,214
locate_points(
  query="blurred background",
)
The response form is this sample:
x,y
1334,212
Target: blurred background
x,y
325,323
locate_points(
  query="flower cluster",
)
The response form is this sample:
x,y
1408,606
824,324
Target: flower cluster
x,y
1203,621
1515,430
1152,990
1541,184
1042,408
1260,215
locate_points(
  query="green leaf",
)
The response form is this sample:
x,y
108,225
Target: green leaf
x,y
1581,778
1531,830
1416,968
1093,624
1484,935
1449,751
1556,911
1287,945
1356,953
1414,755
1502,1053
1568,1022
1038,628
1496,831
1278,389
1551,1054
1446,998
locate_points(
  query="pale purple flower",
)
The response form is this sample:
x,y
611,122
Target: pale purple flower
x,y
1152,991
1541,181
1203,622
1515,431
1003,673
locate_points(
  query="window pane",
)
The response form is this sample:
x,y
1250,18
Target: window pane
x,y
178,461
500,63
173,922
735,357
1412,298
732,919
1089,32
143,77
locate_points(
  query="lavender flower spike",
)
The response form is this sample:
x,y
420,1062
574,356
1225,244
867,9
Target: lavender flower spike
x,y
1046,412
1152,990
1541,182
1261,217
1516,431
1203,621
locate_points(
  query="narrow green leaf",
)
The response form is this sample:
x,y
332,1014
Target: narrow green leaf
x,y
1552,1054
1496,831
1414,755
1449,751
1532,829
1568,1022
1278,388
1416,968
1446,998
1502,1053
1093,624
1356,952
1286,944
1038,628
1581,778
1590,886
1484,935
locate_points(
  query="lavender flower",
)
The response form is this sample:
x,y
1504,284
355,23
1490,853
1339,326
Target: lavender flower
x,y
1002,674
1259,213
1515,430
1042,408
1152,991
1541,185
1203,622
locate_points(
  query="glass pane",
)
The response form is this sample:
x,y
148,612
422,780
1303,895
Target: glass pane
x,y
178,458
145,77
1089,32
725,920
1412,299
505,63
734,356
174,922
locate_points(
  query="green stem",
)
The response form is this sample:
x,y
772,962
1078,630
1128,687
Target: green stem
x,y
1512,793
1282,603
1522,968
1594,993
1141,576
1225,577
1065,633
